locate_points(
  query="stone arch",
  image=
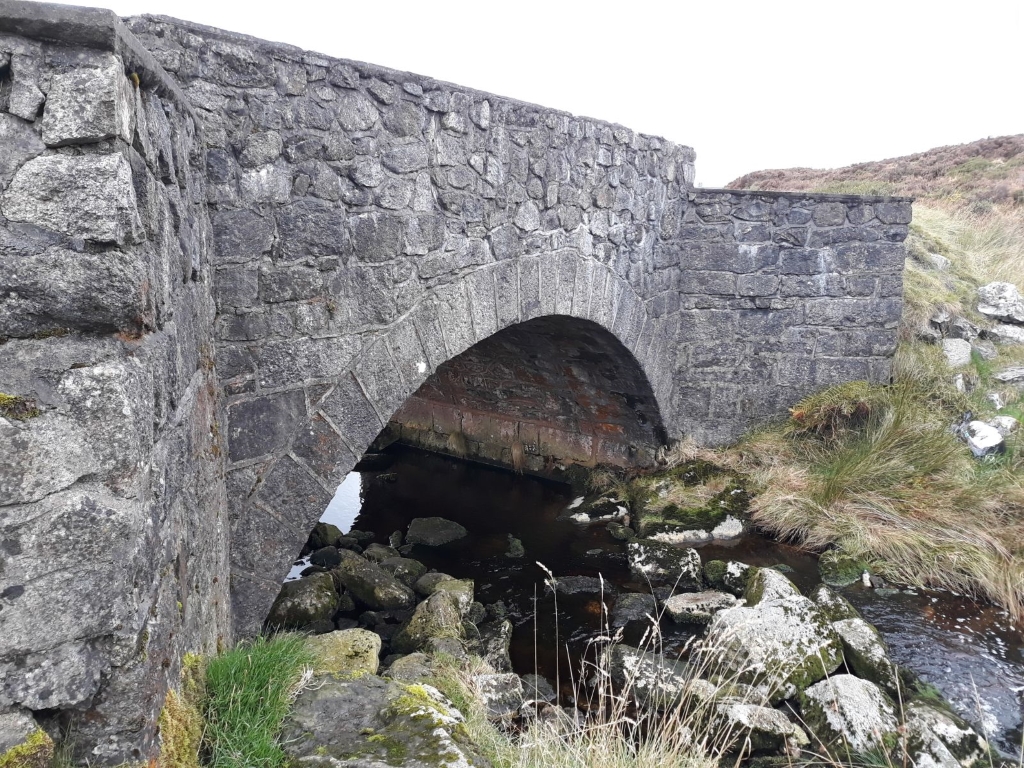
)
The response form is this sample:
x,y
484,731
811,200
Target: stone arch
x,y
284,497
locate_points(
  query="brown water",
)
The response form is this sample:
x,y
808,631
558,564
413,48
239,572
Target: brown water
x,y
970,652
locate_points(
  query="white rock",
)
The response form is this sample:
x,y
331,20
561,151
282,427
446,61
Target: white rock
x,y
996,399
982,439
1006,425
1013,375
957,351
1005,333
656,682
933,736
729,528
866,655
1001,301
847,709
783,642
697,607
766,729
940,262
501,694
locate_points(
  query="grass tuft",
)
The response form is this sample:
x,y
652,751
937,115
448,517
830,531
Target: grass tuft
x,y
249,690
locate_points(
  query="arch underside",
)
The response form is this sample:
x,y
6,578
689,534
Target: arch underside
x,y
540,396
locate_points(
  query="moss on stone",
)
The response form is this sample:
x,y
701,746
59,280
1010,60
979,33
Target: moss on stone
x,y
35,752
18,407
839,569
181,719
714,573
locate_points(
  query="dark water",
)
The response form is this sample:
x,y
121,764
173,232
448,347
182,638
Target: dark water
x,y
971,652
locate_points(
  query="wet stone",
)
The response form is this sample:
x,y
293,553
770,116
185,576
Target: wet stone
x,y
434,531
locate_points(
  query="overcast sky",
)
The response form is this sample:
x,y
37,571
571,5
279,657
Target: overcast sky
x,y
749,85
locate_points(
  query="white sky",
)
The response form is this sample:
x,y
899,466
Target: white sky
x,y
749,85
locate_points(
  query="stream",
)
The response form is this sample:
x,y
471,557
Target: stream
x,y
970,651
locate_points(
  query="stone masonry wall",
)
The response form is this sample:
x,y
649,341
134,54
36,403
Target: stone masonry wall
x,y
225,264
113,530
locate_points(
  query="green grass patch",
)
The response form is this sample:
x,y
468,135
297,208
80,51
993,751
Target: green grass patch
x,y
249,691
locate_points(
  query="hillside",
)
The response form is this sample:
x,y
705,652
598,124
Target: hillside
x,y
979,176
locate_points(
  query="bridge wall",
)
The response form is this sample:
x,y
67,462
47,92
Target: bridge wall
x,y
225,264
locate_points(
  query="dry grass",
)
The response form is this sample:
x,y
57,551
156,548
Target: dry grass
x,y
899,491
680,730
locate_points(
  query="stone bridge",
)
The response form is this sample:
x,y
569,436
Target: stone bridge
x,y
226,264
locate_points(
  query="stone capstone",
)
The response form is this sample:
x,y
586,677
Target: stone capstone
x,y
89,103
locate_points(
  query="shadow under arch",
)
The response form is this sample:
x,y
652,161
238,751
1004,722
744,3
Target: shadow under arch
x,y
542,396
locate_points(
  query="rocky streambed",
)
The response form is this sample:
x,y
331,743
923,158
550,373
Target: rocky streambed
x,y
433,554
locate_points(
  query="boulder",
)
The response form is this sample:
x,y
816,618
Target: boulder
x,y
426,584
515,548
838,569
436,617
757,729
780,641
654,681
405,569
866,654
326,557
1004,333
940,739
351,652
732,576
303,602
982,439
1001,301
834,606
1005,425
634,607
579,585
412,668
324,535
845,711
373,586
501,694
537,688
1014,376
697,607
461,590
659,562
957,352
493,645
378,553
605,507
371,722
434,531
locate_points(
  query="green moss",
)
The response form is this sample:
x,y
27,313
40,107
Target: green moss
x,y
838,569
35,752
181,719
714,573
17,407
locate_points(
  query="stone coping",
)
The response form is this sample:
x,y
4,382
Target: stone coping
x,y
826,197
92,28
